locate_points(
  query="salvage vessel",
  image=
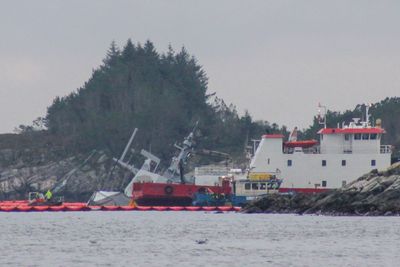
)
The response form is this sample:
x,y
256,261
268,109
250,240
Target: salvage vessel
x,y
341,155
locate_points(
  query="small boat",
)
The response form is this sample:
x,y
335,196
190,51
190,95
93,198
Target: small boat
x,y
301,143
38,199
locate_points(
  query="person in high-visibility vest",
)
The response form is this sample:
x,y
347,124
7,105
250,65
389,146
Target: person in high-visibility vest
x,y
48,195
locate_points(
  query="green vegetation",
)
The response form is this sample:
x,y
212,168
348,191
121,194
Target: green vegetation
x,y
161,94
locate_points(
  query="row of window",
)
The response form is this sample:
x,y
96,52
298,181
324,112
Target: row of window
x,y
263,186
257,186
324,162
362,136
359,136
324,183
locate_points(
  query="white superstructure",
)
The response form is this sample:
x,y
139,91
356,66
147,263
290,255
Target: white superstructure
x,y
341,156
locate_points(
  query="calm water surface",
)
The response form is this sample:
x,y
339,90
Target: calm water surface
x,y
170,239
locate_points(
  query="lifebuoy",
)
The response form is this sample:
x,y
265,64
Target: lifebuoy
x,y
168,190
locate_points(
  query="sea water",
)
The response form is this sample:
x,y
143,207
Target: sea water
x,y
151,238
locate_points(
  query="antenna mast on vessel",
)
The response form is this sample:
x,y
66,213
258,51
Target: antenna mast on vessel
x,y
121,161
320,120
367,106
174,171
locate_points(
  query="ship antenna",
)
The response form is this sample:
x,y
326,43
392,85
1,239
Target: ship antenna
x,y
367,106
320,120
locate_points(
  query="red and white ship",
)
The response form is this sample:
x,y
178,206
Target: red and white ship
x,y
342,155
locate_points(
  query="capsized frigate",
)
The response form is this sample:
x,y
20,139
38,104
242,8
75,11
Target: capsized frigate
x,y
151,187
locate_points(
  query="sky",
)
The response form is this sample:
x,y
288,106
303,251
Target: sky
x,y
276,59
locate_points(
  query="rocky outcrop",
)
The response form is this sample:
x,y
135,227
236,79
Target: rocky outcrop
x,y
375,193
83,174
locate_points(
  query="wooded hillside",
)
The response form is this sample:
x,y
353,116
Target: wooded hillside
x,y
162,94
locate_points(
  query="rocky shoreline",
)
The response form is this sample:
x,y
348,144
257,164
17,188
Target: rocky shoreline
x,y
374,194
83,174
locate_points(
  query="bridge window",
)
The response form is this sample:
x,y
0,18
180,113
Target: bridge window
x,y
343,162
289,162
263,186
365,136
323,162
357,136
254,186
343,183
347,137
373,136
268,160
247,186
373,162
323,183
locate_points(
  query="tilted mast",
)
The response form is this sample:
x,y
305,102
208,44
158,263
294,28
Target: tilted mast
x,y
174,173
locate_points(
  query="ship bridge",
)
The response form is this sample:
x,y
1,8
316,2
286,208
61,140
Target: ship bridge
x,y
352,140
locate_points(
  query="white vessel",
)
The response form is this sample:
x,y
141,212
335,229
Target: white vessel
x,y
342,155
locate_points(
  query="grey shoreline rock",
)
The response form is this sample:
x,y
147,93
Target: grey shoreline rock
x,y
87,173
373,194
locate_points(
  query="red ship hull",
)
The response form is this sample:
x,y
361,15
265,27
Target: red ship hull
x,y
162,194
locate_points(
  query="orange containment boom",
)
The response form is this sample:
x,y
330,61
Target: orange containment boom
x,y
22,206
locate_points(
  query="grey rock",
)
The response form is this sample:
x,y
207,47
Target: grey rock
x,y
373,194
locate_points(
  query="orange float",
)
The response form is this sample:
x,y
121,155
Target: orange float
x,y
127,207
208,208
8,208
110,208
176,208
24,208
74,208
57,208
143,208
40,208
224,208
159,208
194,208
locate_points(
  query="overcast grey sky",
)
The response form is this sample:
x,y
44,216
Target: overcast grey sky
x,y
277,59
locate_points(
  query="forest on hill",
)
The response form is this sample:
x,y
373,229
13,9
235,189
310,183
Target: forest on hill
x,y
162,94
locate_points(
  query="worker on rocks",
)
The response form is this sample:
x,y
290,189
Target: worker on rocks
x,y
48,195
